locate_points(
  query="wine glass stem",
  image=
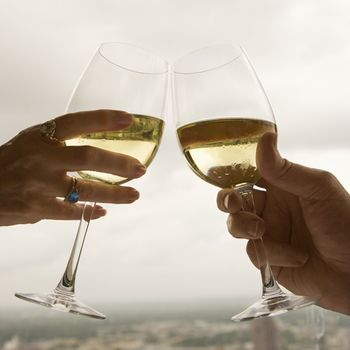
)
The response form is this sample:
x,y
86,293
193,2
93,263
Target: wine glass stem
x,y
270,287
66,285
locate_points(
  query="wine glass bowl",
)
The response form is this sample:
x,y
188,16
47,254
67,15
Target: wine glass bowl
x,y
221,112
226,113
124,77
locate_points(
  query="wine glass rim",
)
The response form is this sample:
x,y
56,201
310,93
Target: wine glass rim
x,y
236,57
110,43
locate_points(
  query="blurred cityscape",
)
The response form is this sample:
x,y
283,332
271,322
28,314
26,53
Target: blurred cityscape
x,y
172,327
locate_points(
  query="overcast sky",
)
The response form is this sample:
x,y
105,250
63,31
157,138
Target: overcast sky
x,y
173,242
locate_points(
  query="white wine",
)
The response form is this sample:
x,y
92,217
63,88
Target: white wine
x,y
222,151
140,140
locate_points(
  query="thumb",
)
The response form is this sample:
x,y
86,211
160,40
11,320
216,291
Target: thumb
x,y
294,178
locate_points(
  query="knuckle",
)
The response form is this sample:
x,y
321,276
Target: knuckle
x,y
238,226
26,186
326,184
87,190
327,177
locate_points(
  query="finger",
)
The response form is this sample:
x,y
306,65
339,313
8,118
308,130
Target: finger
x,y
95,212
245,225
72,125
57,209
279,254
293,178
94,191
230,201
75,158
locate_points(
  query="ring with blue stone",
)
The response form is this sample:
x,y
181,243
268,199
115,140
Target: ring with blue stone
x,y
73,195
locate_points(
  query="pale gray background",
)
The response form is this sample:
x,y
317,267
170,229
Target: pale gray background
x,y
172,243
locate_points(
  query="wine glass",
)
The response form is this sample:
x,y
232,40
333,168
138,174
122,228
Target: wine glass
x,y
221,112
120,77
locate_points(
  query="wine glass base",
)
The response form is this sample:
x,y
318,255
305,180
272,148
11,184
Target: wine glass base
x,y
273,306
61,302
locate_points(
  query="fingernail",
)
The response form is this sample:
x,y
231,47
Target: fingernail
x,y
133,194
229,222
139,170
226,200
99,211
256,229
125,119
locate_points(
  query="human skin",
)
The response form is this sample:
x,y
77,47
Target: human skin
x,y
33,170
304,220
